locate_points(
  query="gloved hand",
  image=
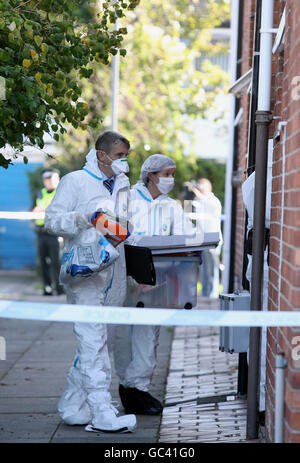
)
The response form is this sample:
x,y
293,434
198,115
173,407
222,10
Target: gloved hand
x,y
93,216
82,221
111,226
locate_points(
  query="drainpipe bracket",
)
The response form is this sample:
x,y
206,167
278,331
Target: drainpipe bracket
x,y
281,361
263,117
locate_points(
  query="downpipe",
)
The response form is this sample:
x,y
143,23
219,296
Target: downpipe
x,y
280,365
263,119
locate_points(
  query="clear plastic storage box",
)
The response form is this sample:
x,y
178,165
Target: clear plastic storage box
x,y
176,284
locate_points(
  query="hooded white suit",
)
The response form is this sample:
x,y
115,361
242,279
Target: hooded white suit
x,y
79,193
209,209
135,346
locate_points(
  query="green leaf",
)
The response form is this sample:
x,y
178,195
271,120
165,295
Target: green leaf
x,y
44,48
38,40
85,72
52,17
12,26
5,162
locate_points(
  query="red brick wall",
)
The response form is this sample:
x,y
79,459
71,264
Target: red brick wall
x,y
247,53
284,271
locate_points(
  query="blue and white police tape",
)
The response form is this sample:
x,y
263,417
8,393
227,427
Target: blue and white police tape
x,y
144,316
14,215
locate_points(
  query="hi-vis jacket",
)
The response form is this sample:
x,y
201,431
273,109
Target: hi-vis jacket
x,y
43,200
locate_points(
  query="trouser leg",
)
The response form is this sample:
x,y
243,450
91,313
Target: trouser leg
x,y
53,252
43,254
206,273
89,378
122,352
144,342
93,359
215,276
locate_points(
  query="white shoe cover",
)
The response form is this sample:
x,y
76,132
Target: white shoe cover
x,y
108,421
73,408
82,417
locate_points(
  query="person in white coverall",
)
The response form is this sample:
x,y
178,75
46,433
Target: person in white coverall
x,y
152,212
102,183
209,208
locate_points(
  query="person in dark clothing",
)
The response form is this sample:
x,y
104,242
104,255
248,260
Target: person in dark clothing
x,y
48,245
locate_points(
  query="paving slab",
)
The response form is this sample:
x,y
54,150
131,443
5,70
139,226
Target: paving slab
x,y
32,427
190,366
33,377
199,371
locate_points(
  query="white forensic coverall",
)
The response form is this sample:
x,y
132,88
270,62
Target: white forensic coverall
x,y
248,188
78,193
209,209
135,346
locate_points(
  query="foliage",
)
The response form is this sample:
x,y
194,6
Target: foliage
x,y
159,85
45,50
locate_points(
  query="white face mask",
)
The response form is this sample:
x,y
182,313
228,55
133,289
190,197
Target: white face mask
x,y
165,184
120,166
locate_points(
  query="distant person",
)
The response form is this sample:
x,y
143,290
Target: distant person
x,y
187,192
209,207
48,245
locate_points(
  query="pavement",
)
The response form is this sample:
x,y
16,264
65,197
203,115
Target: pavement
x,y
196,382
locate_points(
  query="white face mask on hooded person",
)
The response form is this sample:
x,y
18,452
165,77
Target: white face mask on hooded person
x,y
118,166
165,184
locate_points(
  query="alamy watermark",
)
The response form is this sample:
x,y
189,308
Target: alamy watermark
x,y
2,348
295,91
296,349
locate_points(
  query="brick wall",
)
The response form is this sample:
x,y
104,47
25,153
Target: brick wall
x,y
284,270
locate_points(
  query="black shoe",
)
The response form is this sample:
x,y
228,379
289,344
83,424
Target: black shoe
x,y
122,394
139,402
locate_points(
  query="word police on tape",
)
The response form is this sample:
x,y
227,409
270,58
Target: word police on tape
x,y
145,316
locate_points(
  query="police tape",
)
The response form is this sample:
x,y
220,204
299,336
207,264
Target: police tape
x,y
13,215
145,316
